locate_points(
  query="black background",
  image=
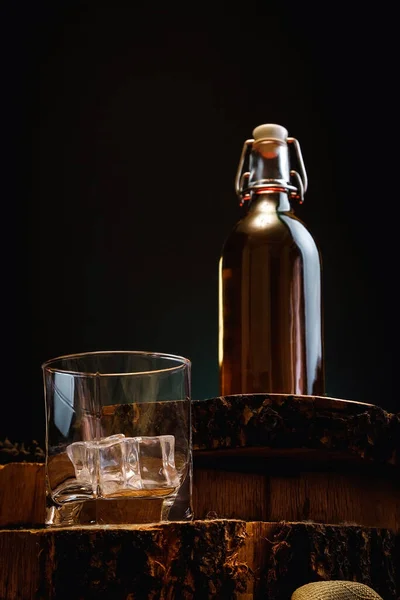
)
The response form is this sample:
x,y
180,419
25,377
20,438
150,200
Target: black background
x,y
122,130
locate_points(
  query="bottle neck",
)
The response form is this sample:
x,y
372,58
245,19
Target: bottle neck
x,y
269,201
269,166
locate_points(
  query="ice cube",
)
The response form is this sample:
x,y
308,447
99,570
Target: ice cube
x,y
132,471
157,462
110,439
82,456
85,457
111,460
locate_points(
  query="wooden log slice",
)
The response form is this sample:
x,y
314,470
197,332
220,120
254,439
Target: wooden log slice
x,y
204,559
261,457
273,457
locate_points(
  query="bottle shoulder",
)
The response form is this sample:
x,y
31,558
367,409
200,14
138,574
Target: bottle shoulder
x,y
263,228
278,231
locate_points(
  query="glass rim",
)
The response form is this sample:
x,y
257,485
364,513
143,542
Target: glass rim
x,y
183,363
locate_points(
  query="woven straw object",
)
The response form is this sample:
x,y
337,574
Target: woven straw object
x,y
335,590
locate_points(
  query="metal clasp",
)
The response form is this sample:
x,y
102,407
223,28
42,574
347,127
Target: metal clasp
x,y
301,179
241,177
296,191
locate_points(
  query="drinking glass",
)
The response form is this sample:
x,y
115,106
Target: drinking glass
x,y
118,438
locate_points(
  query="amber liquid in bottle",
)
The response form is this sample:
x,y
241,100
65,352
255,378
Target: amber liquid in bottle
x,y
270,311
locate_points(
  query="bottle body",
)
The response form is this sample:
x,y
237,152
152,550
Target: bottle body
x,y
270,303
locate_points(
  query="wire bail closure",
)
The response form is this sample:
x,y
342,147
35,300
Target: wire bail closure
x,y
295,191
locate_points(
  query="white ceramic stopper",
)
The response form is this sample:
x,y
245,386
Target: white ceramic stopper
x,y
270,132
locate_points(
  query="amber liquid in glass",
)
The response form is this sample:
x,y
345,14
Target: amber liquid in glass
x,y
270,312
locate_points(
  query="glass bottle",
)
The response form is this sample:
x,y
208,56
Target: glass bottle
x,y
270,299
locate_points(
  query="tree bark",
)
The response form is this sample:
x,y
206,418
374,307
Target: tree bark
x,y
349,429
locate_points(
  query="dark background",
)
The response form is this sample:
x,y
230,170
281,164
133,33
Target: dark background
x,y
122,130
